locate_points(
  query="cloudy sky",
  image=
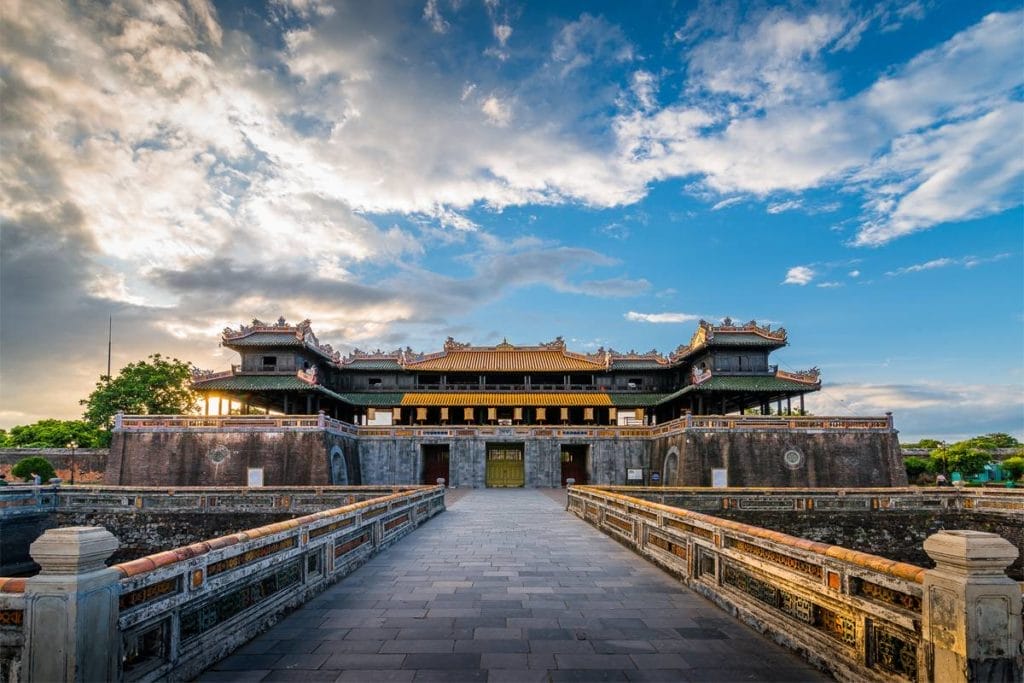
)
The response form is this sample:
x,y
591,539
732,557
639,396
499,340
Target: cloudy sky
x,y
611,172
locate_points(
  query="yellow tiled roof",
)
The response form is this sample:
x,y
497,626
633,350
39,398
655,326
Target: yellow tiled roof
x,y
519,398
507,360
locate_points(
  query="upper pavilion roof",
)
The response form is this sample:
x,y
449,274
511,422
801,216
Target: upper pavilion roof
x,y
277,335
730,334
505,357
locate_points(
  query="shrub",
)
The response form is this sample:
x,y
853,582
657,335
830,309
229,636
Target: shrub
x,y
26,466
917,466
1014,467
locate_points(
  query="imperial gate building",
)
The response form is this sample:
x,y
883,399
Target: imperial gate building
x,y
506,415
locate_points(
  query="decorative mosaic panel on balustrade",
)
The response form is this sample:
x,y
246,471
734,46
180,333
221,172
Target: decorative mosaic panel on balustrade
x,y
621,526
706,534
763,503
762,589
394,522
251,556
885,595
12,617
666,544
892,650
198,620
333,526
822,503
151,593
777,558
350,543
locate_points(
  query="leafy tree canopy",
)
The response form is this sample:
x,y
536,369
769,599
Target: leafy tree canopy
x,y
54,434
24,468
157,386
993,441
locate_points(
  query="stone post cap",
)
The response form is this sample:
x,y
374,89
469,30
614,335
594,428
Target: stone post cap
x,y
975,552
73,549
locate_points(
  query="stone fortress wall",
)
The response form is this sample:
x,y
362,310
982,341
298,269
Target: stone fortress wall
x,y
316,450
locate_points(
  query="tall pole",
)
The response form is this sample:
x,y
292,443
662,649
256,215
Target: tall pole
x,y
110,336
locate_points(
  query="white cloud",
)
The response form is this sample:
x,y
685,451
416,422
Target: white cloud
x,y
966,262
829,285
928,409
854,273
496,110
633,316
790,205
588,40
799,275
725,203
432,15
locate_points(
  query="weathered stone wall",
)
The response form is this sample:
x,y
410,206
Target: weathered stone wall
x,y
219,457
222,458
90,463
758,458
16,535
146,532
400,461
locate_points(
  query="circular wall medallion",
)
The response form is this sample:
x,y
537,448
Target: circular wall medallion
x,y
793,458
218,454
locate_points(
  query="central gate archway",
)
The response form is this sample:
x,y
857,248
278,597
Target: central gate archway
x,y
505,465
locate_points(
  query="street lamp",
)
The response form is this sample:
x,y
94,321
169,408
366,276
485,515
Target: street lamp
x,y
72,445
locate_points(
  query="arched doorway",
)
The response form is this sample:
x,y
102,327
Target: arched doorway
x,y
339,467
671,467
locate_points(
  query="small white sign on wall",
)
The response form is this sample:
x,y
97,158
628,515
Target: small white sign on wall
x,y
634,474
719,478
255,478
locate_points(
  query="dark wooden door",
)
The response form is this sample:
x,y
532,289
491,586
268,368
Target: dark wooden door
x,y
574,464
435,465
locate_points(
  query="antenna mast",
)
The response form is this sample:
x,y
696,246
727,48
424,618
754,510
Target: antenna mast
x,y
110,334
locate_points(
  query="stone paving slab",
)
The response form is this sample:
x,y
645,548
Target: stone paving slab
x,y
508,586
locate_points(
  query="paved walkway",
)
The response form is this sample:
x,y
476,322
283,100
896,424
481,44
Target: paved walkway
x,y
507,586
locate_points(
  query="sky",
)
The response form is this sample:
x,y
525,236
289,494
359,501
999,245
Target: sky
x,y
399,172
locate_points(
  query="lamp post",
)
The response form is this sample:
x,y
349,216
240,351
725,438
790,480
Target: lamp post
x,y
72,445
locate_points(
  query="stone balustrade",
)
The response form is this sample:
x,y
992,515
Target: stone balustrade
x,y
177,612
1004,502
859,616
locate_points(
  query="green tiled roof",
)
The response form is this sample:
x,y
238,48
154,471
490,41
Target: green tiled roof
x,y
373,364
752,383
266,339
373,399
635,400
253,383
249,383
741,339
637,364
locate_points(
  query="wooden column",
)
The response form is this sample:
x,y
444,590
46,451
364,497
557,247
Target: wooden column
x,y
802,405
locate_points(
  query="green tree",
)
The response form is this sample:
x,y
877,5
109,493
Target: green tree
x,y
3,438
916,466
54,434
157,386
26,466
923,443
961,457
1014,467
993,441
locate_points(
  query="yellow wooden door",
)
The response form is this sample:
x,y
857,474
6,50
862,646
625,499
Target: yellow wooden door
x,y
505,467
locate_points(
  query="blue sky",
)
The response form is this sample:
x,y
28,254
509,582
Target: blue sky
x,y
608,172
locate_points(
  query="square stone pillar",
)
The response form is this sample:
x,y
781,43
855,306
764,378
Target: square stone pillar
x,y
71,608
972,609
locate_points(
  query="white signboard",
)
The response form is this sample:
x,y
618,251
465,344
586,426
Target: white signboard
x,y
634,475
719,478
255,476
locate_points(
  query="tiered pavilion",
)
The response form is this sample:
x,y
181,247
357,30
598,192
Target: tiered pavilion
x,y
723,369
